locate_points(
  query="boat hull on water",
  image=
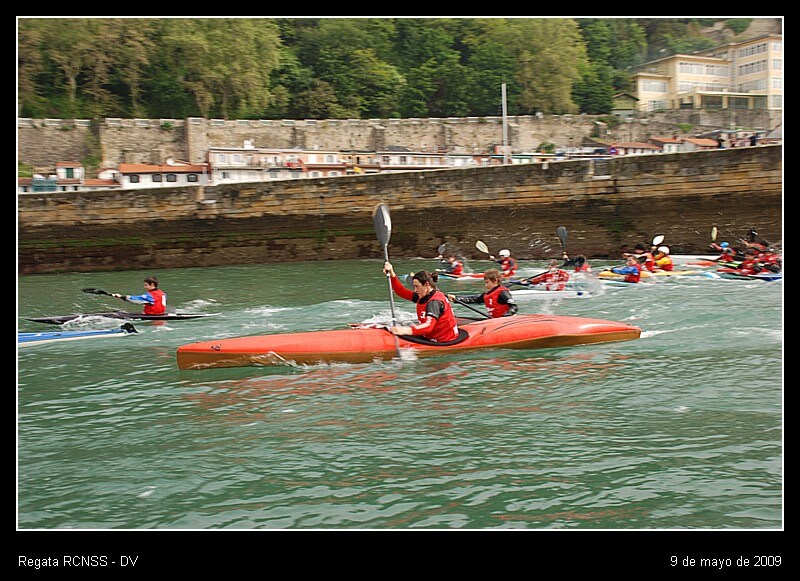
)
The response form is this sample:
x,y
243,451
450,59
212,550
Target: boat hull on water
x,y
364,345
61,319
542,293
606,275
58,336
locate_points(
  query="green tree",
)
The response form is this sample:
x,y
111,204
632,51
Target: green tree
x,y
225,63
549,54
594,93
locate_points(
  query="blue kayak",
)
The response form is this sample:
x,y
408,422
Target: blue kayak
x,y
53,336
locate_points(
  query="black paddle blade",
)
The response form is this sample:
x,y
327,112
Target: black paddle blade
x,y
562,235
95,291
128,328
383,223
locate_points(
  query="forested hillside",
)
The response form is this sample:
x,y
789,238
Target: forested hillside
x,y
319,68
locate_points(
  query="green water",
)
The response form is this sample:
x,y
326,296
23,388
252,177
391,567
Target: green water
x,y
680,429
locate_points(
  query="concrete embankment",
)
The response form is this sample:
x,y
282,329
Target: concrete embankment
x,y
603,203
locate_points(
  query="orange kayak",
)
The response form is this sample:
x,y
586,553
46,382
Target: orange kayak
x,y
366,344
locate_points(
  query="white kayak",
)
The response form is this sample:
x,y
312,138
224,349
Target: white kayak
x,y
45,337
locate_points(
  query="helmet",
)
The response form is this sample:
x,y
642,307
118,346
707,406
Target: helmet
x,y
664,249
724,245
504,253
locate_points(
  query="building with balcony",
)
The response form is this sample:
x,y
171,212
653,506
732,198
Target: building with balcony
x,y
740,75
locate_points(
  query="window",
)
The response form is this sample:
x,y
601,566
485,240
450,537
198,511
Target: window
x,y
330,159
654,86
754,49
691,68
777,101
717,70
222,158
777,64
333,174
134,179
754,67
69,173
171,177
757,85
192,177
656,105
156,177
737,102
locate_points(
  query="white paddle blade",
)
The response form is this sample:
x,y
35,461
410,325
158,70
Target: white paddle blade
x,y
714,234
482,247
658,240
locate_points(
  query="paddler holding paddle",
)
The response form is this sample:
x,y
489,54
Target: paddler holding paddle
x,y
153,299
497,298
437,321
507,264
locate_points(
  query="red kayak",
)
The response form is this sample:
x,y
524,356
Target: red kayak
x,y
363,345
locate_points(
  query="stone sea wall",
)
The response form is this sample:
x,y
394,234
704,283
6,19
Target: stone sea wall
x,y
43,142
603,203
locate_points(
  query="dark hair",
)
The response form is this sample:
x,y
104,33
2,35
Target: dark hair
x,y
152,280
425,277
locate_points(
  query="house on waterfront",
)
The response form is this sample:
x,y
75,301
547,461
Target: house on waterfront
x,y
402,159
67,176
737,75
633,148
170,174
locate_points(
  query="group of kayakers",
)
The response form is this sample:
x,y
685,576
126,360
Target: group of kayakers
x,y
756,256
438,322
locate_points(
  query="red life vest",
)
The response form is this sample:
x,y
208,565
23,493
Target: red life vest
x,y
553,280
446,326
634,277
456,268
508,266
490,299
160,305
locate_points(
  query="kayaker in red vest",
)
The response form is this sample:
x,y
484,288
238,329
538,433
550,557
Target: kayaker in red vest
x,y
508,266
153,299
454,266
632,269
645,258
497,298
554,279
437,321
580,263
662,259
